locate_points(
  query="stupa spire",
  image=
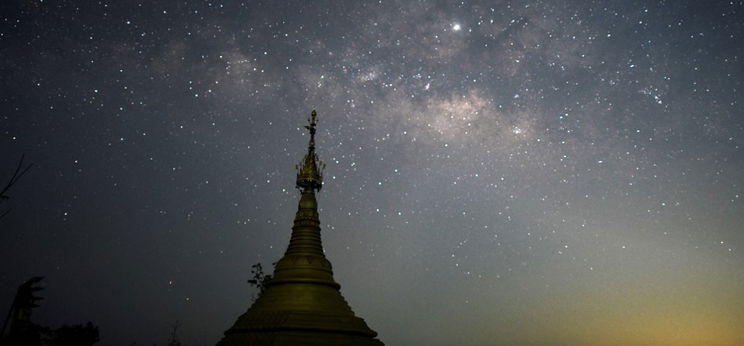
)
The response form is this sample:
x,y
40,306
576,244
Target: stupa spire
x,y
302,303
310,170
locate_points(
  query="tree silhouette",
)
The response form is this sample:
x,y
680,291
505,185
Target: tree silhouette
x,y
24,332
259,279
21,330
174,335
76,335
17,174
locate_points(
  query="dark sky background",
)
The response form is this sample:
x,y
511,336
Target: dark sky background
x,y
498,173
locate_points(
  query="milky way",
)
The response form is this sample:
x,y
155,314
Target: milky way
x,y
498,173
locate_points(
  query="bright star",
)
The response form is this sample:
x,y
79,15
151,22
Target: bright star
x,y
456,27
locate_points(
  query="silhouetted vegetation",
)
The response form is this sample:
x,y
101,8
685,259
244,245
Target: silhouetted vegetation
x,y
259,279
76,335
21,331
17,175
174,335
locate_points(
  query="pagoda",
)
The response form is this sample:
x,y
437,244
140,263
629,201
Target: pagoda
x,y
302,303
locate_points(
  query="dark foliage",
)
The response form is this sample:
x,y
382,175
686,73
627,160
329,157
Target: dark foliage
x,y
17,175
76,335
259,280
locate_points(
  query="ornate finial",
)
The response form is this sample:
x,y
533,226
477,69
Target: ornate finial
x,y
310,171
312,121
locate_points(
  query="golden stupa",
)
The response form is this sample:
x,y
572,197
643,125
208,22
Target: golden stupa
x,y
302,304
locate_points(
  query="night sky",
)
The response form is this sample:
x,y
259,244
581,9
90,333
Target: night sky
x,y
498,173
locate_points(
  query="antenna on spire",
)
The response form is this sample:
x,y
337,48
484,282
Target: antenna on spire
x,y
311,122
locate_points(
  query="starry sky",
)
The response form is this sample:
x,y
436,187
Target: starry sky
x,y
498,172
